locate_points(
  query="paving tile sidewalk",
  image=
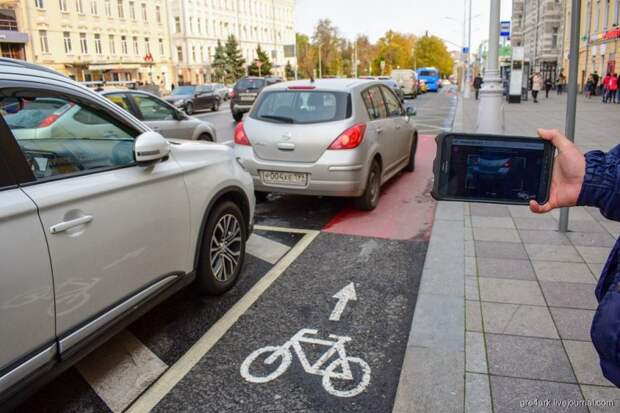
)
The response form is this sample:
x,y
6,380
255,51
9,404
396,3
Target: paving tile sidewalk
x,y
506,301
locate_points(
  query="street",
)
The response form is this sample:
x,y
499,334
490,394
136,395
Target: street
x,y
328,291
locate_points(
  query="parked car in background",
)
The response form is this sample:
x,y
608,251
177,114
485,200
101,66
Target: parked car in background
x,y
407,80
101,220
331,137
430,76
161,116
244,94
388,81
221,90
194,98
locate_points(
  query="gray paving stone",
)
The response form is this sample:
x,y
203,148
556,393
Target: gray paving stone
x,y
563,271
451,211
477,393
569,295
496,234
431,381
596,268
547,237
442,330
613,227
511,395
473,316
585,226
603,399
573,324
527,357
470,249
562,253
470,266
511,250
540,222
520,211
591,239
475,354
510,291
594,254
575,214
471,289
505,268
517,319
489,210
468,233
492,222
585,361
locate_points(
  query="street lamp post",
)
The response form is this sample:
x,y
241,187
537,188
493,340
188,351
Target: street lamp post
x,y
467,91
320,62
490,108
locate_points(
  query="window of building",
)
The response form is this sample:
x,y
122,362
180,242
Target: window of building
x,y
93,8
191,25
132,10
124,49
39,4
144,12
555,37
63,5
158,14
597,16
147,45
107,5
616,12
98,48
112,44
79,6
177,24
161,47
180,53
43,41
66,36
136,46
121,9
194,54
202,54
198,25
83,43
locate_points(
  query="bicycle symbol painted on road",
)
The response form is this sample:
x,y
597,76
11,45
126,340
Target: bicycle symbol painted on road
x,y
338,370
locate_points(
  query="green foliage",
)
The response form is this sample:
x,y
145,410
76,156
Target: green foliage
x,y
219,64
288,71
235,63
265,69
432,51
306,55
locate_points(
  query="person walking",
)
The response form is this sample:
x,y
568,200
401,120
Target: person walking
x,y
592,180
477,84
595,80
589,90
605,85
537,85
612,88
561,81
548,86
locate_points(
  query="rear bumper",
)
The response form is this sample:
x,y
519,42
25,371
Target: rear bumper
x,y
240,107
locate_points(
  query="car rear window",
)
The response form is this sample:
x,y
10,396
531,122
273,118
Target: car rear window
x,y
250,83
35,112
302,106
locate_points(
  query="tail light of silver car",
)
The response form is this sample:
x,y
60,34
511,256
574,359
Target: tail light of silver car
x,y
240,136
351,138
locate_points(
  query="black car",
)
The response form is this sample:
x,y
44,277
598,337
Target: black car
x,y
193,98
244,94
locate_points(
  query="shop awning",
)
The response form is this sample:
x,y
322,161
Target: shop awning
x,y
114,66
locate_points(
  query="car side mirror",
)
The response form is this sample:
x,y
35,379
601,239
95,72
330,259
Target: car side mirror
x,y
179,115
411,111
150,147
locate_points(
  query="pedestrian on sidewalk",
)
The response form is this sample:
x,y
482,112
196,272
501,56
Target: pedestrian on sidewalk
x,y
477,84
612,88
537,85
548,85
595,79
605,85
592,180
561,81
589,91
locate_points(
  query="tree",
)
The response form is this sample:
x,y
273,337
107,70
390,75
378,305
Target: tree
x,y
219,64
234,60
396,50
326,35
265,69
432,51
306,56
288,71
366,53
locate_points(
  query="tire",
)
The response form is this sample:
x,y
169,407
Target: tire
x,y
370,198
216,105
223,241
237,116
285,356
260,196
205,137
189,109
410,167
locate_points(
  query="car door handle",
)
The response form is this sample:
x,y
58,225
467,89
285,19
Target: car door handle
x,y
379,130
286,146
65,225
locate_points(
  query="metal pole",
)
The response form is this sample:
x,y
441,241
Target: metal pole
x,y
491,105
571,105
467,93
463,45
320,63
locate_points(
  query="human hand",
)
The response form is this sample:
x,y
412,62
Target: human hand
x,y
569,170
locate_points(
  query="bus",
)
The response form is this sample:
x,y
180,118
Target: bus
x,y
430,76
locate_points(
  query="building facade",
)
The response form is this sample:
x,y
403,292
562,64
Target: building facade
x,y
538,26
197,25
13,39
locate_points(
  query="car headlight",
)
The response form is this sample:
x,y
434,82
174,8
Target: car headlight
x,y
178,102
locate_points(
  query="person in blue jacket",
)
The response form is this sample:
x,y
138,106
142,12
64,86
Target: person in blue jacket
x,y
593,180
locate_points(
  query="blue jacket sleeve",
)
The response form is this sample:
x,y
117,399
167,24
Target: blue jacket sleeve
x,y
601,185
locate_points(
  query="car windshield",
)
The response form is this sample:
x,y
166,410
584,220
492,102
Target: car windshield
x,y
302,107
183,90
431,73
250,83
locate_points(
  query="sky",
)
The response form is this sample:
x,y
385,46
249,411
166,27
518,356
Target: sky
x,y
443,18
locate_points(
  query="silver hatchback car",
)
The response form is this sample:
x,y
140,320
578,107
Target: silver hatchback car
x,y
332,137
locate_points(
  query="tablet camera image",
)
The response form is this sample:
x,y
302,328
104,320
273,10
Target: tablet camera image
x,y
496,170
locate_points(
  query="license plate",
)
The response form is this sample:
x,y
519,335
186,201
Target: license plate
x,y
247,98
284,178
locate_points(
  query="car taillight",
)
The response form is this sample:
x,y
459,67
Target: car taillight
x,y
232,94
240,137
48,120
351,138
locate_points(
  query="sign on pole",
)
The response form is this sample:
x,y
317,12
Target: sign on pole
x,y
504,28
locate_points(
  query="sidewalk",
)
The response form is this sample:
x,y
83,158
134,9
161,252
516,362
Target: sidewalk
x,y
506,301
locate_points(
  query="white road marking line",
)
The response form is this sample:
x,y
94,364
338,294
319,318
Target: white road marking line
x,y
283,229
344,296
178,370
265,249
121,370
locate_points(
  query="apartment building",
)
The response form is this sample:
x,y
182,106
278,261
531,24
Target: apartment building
x,y
13,39
196,26
538,26
90,40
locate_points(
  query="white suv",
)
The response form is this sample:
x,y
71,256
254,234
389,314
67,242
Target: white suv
x,y
100,219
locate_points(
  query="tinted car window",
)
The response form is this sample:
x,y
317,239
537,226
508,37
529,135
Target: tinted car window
x,y
80,139
183,90
120,100
428,73
250,84
36,113
302,106
392,103
152,109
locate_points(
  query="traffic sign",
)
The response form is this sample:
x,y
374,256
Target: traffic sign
x,y
504,28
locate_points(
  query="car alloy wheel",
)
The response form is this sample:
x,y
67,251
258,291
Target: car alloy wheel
x,y
225,248
189,109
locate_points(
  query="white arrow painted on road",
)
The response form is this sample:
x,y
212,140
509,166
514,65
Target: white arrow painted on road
x,y
344,296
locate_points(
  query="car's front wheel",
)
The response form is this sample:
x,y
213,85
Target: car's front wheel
x,y
189,109
216,105
222,250
370,198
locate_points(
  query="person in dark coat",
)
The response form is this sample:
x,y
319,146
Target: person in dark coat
x,y
548,86
477,85
592,180
595,79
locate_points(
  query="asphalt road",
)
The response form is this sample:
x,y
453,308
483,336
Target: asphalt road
x,y
327,291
